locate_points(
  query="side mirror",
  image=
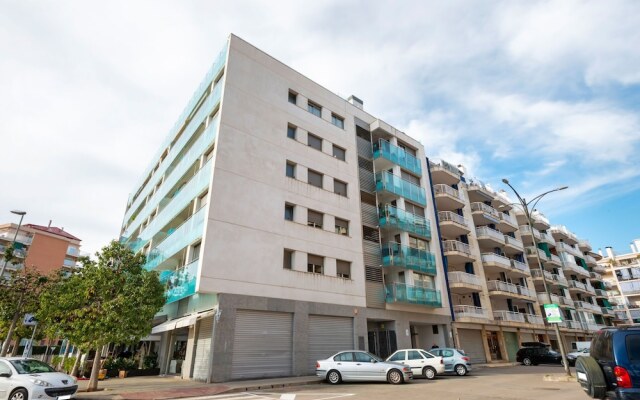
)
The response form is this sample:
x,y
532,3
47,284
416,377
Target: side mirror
x,y
5,374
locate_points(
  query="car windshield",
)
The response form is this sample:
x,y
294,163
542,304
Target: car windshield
x,y
461,352
378,359
31,366
553,352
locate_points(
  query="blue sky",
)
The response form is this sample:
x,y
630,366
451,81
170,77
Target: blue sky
x,y
545,93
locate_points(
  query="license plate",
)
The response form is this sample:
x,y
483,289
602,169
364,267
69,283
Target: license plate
x,y
64,397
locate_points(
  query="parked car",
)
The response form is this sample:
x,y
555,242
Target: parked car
x,y
538,355
356,365
27,379
612,369
571,357
420,361
455,360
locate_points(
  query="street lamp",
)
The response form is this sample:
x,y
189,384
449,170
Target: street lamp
x,y
525,207
13,243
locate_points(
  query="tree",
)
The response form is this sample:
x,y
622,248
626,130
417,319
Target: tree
x,y
110,300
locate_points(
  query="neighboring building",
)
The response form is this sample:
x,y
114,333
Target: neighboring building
x,y
494,277
45,248
287,224
623,274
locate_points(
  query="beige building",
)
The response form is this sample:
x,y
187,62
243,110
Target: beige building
x,y
622,273
493,272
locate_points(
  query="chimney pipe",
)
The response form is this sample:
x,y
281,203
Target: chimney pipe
x,y
609,251
636,243
49,226
356,102
600,252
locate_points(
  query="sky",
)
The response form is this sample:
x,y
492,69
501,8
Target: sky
x,y
544,93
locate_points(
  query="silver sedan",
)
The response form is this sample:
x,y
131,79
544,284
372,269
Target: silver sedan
x,y
356,365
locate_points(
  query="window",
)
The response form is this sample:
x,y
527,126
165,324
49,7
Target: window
x,y
339,152
337,120
399,356
340,187
347,356
342,226
291,132
633,347
447,353
4,368
425,354
314,178
293,97
288,212
314,109
409,177
414,209
414,355
315,264
287,262
195,252
343,269
418,243
363,357
314,219
291,169
314,141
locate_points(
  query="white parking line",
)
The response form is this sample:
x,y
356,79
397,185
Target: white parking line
x,y
274,396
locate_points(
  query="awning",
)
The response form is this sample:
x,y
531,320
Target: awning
x,y
180,322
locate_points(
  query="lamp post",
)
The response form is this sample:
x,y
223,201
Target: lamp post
x,y
525,207
13,243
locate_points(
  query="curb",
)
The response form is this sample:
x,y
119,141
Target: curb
x,y
559,378
272,386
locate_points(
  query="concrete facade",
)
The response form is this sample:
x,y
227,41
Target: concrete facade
x,y
621,272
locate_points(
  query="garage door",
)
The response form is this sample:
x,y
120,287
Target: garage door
x,y
203,349
262,345
471,343
511,341
527,337
327,336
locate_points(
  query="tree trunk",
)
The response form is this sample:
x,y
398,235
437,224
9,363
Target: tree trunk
x,y
12,327
64,357
76,364
16,347
143,349
95,370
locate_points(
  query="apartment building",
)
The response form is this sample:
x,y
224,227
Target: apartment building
x,y
287,224
45,248
622,273
494,275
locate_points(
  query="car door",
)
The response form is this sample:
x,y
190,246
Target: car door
x,y
367,368
345,364
447,357
4,382
416,361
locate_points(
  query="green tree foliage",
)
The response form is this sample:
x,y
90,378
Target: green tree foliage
x,y
110,300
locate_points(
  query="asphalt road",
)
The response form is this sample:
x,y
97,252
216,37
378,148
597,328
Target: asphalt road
x,y
521,383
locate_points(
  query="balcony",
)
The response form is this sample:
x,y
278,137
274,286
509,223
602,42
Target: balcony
x,y
497,263
185,282
535,319
520,267
24,239
508,316
566,302
484,214
607,312
462,312
561,232
554,261
601,293
462,282
507,222
570,266
532,251
444,173
584,245
405,257
479,192
583,305
573,324
457,252
389,186
504,289
386,155
488,237
536,274
447,198
393,218
512,246
452,224
542,298
577,286
409,294
69,263
560,246
73,251
594,276
540,221
598,268
559,280
593,263
547,238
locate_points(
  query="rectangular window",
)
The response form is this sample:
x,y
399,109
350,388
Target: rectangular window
x,y
340,187
418,243
409,177
315,264
291,132
343,269
291,169
414,209
314,141
293,97
314,178
315,219
314,109
339,153
287,262
288,212
337,120
195,252
342,226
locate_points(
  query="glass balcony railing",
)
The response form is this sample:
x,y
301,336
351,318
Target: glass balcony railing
x,y
180,283
404,221
397,155
177,240
395,254
69,263
409,294
388,182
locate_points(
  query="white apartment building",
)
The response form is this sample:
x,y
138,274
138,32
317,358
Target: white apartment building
x,y
494,277
622,272
288,224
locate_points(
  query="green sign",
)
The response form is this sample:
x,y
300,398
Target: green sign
x,y
552,312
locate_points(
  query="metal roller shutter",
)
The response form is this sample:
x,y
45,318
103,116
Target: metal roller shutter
x,y
203,349
471,343
327,336
527,337
263,345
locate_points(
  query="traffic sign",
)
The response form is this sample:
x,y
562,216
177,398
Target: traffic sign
x,y
30,320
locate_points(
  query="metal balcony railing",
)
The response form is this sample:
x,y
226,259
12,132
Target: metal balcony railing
x,y
481,207
508,240
535,319
491,258
454,245
463,277
442,189
508,316
448,216
470,312
485,231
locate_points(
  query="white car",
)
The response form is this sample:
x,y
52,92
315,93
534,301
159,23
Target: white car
x,y
29,379
420,361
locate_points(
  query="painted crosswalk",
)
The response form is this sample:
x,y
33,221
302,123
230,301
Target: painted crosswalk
x,y
275,396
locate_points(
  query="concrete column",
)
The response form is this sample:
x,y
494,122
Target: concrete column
x,y
192,339
485,344
503,346
330,266
300,338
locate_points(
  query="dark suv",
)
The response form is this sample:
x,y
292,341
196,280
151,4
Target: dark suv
x,y
613,368
538,355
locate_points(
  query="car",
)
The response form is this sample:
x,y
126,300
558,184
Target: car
x,y
27,379
455,360
612,369
538,355
420,361
357,365
571,357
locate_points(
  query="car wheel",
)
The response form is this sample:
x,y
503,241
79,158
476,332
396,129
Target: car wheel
x,y
19,394
429,373
333,377
461,370
526,361
395,377
591,377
